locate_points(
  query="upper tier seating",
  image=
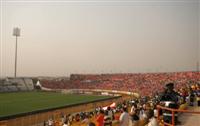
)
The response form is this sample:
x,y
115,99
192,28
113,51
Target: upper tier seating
x,y
142,83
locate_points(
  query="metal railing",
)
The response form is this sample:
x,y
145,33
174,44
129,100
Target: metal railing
x,y
173,113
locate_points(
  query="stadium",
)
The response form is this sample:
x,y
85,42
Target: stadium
x,y
100,63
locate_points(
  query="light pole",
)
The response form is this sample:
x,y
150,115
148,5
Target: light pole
x,y
16,33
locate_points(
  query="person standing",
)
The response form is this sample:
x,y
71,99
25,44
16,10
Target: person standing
x,y
107,119
100,118
152,120
170,98
124,117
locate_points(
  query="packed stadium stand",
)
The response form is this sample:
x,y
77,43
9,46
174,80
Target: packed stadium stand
x,y
16,84
143,83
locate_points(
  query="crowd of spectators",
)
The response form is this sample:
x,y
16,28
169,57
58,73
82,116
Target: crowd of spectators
x,y
134,112
146,84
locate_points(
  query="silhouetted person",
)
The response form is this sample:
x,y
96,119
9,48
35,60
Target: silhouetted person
x,y
170,99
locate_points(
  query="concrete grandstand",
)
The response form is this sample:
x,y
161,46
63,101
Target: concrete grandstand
x,y
16,84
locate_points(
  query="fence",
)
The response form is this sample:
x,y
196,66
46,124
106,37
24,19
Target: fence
x,y
173,113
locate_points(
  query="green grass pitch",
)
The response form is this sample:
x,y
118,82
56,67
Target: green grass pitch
x,y
22,102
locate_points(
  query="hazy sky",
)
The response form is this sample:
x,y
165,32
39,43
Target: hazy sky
x,y
59,38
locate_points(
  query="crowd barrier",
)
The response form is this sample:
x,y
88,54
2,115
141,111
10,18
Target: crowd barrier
x,y
181,110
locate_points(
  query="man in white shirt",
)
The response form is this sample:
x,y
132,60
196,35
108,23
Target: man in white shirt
x,y
124,118
152,120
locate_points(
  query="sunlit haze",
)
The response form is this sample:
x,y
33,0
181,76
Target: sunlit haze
x,y
60,38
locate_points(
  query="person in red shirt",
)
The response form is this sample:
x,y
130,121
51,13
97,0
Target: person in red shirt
x,y
100,118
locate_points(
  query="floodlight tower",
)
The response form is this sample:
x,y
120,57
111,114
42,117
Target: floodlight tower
x,y
16,33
